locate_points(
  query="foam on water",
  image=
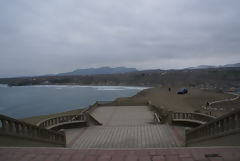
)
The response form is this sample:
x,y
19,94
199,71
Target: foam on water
x,y
3,85
80,86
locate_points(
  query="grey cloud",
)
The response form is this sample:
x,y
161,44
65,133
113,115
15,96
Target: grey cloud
x,y
40,37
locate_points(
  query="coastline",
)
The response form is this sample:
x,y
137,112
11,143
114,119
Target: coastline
x,y
160,97
51,99
76,85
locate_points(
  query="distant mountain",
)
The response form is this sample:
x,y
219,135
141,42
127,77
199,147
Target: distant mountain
x,y
224,77
101,70
211,66
232,65
204,67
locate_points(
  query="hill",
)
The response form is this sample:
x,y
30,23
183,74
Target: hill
x,y
95,71
212,66
203,78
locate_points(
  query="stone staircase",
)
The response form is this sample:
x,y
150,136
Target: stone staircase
x,y
126,133
159,154
138,136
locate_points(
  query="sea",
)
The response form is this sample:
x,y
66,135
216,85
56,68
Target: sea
x,y
26,101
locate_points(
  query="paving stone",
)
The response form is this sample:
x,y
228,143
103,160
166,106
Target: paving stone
x,y
215,159
169,154
52,157
126,135
198,155
158,158
124,127
118,158
77,157
131,158
186,159
39,157
64,157
90,158
144,158
7,158
27,157
104,158
172,158
231,155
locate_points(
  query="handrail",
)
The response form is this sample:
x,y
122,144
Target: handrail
x,y
16,128
103,102
191,116
226,100
90,108
61,119
156,118
65,119
226,124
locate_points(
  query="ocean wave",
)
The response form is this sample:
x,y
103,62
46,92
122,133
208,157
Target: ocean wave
x,y
3,85
119,88
109,89
79,86
137,88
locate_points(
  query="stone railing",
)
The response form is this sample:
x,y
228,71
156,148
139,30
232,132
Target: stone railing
x,y
226,100
102,103
90,109
71,121
192,117
62,120
14,129
156,118
226,125
122,103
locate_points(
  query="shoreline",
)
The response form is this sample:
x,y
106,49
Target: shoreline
x,y
59,98
42,85
160,97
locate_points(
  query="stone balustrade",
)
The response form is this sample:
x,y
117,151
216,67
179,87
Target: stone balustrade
x,y
90,108
195,117
225,125
156,118
103,103
51,122
15,129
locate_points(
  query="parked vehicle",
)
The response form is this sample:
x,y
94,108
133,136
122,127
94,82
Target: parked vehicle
x,y
182,91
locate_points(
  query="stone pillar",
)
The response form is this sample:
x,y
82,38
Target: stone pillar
x,y
237,120
225,124
17,128
22,129
10,126
169,120
3,124
87,118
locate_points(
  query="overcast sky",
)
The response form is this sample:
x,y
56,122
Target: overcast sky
x,y
53,36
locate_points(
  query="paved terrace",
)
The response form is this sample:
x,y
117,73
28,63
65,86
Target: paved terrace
x,y
125,127
127,134
173,154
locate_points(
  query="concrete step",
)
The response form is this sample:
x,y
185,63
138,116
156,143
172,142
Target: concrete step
x,y
156,154
123,115
137,136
